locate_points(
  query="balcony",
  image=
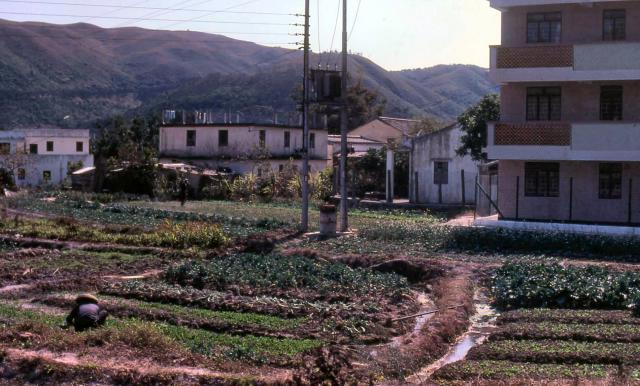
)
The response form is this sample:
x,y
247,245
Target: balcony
x,y
561,63
563,141
505,4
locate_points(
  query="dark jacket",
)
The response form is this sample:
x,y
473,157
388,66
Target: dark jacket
x,y
87,315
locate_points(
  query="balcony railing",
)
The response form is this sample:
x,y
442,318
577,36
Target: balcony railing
x,y
533,134
531,57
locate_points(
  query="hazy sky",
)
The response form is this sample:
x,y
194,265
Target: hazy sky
x,y
397,34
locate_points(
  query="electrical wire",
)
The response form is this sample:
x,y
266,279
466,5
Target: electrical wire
x,y
196,19
318,33
335,26
355,20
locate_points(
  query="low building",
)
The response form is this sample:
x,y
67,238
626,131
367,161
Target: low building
x,y
42,157
385,129
438,175
357,145
241,148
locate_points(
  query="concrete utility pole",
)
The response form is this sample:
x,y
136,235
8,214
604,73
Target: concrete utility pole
x,y
304,221
344,226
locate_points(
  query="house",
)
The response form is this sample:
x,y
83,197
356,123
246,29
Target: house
x,y
438,176
357,145
568,142
385,129
241,148
41,157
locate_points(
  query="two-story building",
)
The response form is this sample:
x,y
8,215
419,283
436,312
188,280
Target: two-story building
x,y
40,157
241,148
568,140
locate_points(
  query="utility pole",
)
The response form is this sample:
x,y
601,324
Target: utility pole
x,y
305,125
344,226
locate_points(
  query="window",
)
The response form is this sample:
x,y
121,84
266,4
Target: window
x,y
614,25
287,139
542,179
441,173
544,27
263,138
33,148
223,138
49,145
611,103
544,103
281,168
22,174
191,138
79,147
46,176
610,185
312,141
5,148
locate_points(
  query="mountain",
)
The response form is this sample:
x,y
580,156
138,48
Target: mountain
x,y
72,75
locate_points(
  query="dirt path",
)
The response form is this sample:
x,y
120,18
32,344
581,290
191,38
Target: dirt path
x,y
142,367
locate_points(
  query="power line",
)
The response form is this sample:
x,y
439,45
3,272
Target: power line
x,y
195,19
355,20
145,19
147,8
335,27
114,10
318,33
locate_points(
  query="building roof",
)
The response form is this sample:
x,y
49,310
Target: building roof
x,y
232,125
401,124
439,131
354,139
64,133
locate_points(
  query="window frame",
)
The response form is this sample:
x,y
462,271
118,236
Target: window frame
x,y
547,17
553,95
262,138
440,175
312,141
548,170
223,138
192,136
613,190
21,174
614,37
611,114
45,178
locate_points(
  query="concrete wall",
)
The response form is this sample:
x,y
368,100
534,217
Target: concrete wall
x,y
580,24
249,166
243,141
587,206
441,146
35,166
580,101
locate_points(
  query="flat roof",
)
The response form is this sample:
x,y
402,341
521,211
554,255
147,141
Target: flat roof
x,y
231,125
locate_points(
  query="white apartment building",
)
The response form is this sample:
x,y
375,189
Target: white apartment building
x,y
43,157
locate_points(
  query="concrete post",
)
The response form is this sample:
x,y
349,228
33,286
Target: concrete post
x,y
390,177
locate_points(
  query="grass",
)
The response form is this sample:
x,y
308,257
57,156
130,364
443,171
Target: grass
x,y
500,370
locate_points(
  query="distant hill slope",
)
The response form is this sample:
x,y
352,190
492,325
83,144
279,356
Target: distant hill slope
x,y
72,75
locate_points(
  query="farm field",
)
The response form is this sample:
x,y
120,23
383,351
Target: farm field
x,y
232,293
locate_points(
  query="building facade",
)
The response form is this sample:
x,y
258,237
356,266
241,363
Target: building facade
x,y
568,141
438,175
44,157
241,148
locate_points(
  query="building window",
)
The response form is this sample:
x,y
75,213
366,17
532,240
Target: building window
x,y
544,27
544,103
281,168
46,176
263,138
610,182
611,103
22,174
223,138
5,148
287,139
33,148
79,147
441,173
542,179
312,141
191,138
49,145
614,25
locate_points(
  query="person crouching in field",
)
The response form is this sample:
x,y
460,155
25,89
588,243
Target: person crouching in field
x,y
86,314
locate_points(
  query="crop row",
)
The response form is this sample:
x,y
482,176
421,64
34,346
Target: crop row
x,y
539,315
532,285
265,274
562,352
473,370
578,332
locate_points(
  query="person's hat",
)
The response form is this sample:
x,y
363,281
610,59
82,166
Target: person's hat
x,y
86,298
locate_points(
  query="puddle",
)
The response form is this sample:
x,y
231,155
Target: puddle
x,y
426,305
482,325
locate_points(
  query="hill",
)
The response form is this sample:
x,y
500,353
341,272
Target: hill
x,y
73,75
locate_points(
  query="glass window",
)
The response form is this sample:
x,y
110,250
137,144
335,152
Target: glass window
x,y
79,147
542,179
46,176
614,25
49,145
33,148
544,103
441,172
610,181
5,148
611,103
191,138
287,139
263,138
312,141
223,138
544,27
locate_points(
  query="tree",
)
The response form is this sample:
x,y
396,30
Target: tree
x,y
474,125
364,105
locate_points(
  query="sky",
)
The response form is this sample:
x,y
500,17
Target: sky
x,y
396,34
